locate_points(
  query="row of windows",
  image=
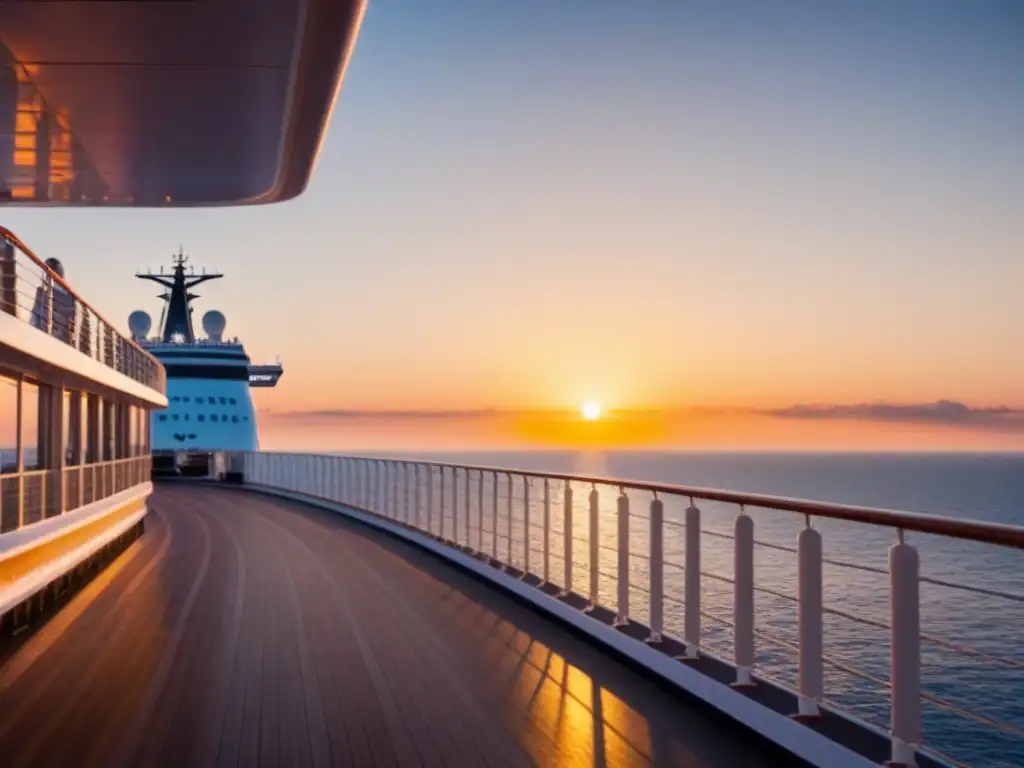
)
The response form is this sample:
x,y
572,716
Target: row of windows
x,y
202,417
213,400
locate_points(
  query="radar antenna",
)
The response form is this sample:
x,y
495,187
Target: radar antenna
x,y
177,317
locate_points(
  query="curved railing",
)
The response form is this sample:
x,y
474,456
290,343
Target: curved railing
x,y
31,291
845,620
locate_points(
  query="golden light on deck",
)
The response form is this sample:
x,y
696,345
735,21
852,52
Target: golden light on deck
x,y
591,411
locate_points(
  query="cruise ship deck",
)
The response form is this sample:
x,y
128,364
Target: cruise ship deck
x,y
309,610
244,630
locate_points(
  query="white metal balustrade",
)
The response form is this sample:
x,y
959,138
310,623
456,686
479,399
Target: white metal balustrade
x,y
713,570
32,292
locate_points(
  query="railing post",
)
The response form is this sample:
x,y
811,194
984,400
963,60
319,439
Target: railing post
x,y
441,505
567,537
691,589
595,550
743,597
547,530
905,672
508,520
810,602
416,495
430,499
455,506
656,571
526,525
407,510
469,540
622,617
480,512
494,516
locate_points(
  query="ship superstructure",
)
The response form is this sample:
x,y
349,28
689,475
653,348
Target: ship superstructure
x,y
208,379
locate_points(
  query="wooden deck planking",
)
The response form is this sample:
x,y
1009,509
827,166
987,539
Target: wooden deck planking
x,y
250,631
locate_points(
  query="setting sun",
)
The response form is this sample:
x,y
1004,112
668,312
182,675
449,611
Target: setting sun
x,y
591,411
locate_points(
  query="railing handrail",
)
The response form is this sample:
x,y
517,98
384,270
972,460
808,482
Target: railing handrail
x,y
971,530
17,242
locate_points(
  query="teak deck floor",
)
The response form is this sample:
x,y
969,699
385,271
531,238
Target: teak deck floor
x,y
246,631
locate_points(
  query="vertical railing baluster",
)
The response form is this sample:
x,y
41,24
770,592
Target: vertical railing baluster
x,y
691,587
391,510
595,550
656,573
469,540
441,505
567,538
455,506
494,516
622,617
547,530
407,510
371,484
430,498
743,597
417,494
811,611
526,525
480,512
905,658
508,518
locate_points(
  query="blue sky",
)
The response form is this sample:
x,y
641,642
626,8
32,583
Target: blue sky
x,y
651,204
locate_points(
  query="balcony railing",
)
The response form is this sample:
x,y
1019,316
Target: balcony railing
x,y
32,292
826,602
33,495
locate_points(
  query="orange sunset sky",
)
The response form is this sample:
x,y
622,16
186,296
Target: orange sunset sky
x,y
734,210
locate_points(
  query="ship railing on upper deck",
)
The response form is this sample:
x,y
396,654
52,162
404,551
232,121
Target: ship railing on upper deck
x,y
35,294
33,495
825,603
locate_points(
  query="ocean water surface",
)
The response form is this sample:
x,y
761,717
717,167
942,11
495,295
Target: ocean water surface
x,y
972,651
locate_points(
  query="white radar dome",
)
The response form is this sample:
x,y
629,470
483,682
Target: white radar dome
x,y
214,323
139,323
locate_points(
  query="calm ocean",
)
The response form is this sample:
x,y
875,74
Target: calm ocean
x,y
974,702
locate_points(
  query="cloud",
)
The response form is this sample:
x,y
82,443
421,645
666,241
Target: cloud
x,y
343,413
945,412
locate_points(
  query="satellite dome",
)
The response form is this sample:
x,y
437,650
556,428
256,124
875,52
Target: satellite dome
x,y
214,323
139,323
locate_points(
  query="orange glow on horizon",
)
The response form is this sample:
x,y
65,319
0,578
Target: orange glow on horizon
x,y
696,430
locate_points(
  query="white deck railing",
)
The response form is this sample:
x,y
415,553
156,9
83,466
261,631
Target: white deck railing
x,y
30,291
846,620
33,495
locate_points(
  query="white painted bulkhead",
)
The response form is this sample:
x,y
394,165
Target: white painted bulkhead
x,y
210,408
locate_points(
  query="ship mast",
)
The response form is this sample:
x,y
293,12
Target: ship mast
x,y
178,315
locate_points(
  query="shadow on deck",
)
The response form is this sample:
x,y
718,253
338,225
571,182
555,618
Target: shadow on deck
x,y
243,630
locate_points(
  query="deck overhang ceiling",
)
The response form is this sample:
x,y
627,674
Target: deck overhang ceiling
x,y
167,102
